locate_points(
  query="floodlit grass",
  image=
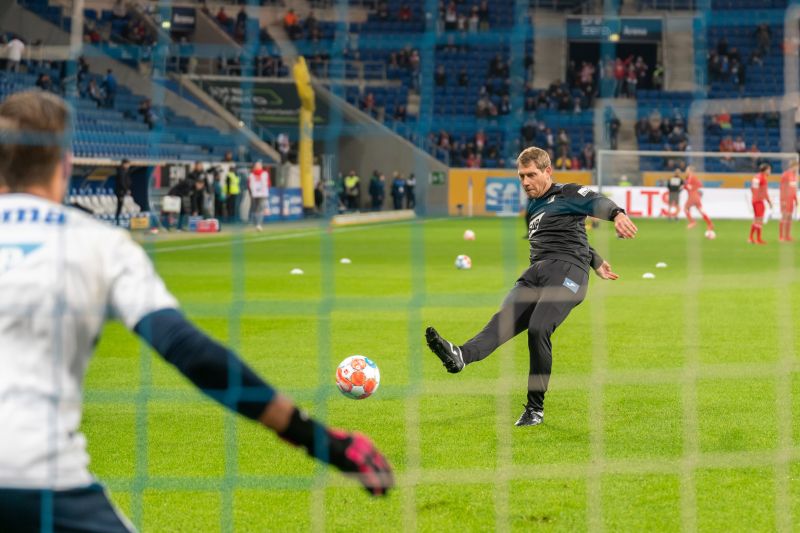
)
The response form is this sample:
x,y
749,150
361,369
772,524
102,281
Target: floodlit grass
x,y
667,407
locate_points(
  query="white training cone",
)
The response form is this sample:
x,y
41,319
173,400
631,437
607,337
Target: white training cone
x,y
345,261
661,265
648,275
297,272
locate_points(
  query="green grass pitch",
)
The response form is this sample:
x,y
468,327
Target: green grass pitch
x,y
674,403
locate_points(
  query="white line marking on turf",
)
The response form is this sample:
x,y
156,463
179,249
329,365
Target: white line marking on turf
x,y
299,234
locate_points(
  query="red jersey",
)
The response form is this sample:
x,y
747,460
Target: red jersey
x,y
758,187
693,186
788,186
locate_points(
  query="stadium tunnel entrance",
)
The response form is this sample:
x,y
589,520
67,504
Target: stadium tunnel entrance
x,y
590,52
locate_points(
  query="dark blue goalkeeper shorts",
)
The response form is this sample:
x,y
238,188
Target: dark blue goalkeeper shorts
x,y
85,509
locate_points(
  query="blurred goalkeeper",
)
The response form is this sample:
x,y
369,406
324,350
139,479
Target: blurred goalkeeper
x,y
62,274
554,283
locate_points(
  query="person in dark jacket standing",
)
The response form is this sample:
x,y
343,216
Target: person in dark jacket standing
x,y
398,190
122,186
411,198
377,190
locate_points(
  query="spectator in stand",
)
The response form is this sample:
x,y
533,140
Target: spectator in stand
x,y
404,15
44,82
586,78
119,11
483,15
109,87
450,16
763,35
726,146
148,113
291,24
641,72
480,140
631,81
222,16
94,93
528,133
83,69
14,51
483,106
368,104
563,139
619,77
463,78
723,120
400,113
739,145
473,160
383,11
722,47
612,125
241,17
473,23
772,119
657,81
564,159
586,159
498,68
440,76
505,106
377,190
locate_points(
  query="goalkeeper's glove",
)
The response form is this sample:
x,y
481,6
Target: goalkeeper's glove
x,y
352,453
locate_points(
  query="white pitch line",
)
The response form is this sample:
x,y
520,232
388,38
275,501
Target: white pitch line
x,y
265,238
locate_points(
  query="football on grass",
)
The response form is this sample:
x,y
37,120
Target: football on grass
x,y
710,234
358,377
463,262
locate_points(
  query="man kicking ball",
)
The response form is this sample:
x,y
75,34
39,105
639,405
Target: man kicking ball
x,y
554,283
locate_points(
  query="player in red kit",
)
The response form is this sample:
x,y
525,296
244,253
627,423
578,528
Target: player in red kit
x,y
788,200
692,185
758,188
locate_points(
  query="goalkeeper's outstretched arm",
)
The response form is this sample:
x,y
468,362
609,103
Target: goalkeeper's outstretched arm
x,y
223,376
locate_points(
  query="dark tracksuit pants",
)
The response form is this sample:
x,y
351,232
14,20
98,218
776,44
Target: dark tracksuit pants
x,y
540,301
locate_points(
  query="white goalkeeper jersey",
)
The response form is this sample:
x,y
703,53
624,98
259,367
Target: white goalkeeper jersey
x,y
62,275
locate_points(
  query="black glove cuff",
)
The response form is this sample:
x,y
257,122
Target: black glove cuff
x,y
614,212
302,430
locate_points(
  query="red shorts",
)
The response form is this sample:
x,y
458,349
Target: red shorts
x,y
758,209
787,208
693,202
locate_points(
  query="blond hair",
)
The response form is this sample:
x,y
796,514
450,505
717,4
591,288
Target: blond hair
x,y
534,155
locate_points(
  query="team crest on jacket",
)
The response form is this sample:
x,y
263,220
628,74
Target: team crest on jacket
x,y
533,225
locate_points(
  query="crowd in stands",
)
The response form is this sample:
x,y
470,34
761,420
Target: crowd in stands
x,y
726,64
617,77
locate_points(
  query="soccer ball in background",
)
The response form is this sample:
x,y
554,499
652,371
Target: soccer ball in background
x,y
469,235
710,235
358,377
463,262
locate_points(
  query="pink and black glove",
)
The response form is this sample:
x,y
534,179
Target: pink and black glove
x,y
352,453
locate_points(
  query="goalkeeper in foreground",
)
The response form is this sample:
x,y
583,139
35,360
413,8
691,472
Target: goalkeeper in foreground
x,y
62,273
554,283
